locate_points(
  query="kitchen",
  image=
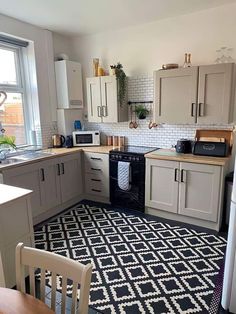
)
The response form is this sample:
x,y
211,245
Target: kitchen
x,y
62,177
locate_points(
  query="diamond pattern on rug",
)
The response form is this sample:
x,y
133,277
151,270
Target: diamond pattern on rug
x,y
140,265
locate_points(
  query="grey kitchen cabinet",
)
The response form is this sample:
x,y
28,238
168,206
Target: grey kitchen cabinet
x,y
53,181
15,226
50,183
202,95
96,174
215,93
162,185
175,94
199,191
28,177
70,174
185,189
102,100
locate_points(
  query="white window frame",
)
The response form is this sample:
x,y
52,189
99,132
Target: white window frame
x,y
20,87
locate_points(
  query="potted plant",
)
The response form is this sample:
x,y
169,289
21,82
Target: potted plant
x,y
141,112
7,141
121,81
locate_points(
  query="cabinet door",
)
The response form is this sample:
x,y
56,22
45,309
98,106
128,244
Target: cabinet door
x,y
74,81
161,190
175,95
199,191
50,183
94,99
70,177
27,177
109,99
214,93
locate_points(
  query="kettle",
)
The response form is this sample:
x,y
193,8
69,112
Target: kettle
x,y
58,140
183,146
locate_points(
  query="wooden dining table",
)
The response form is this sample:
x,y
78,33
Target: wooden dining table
x,y
15,302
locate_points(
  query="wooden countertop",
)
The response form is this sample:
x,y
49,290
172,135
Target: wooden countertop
x,y
91,149
10,193
59,152
169,154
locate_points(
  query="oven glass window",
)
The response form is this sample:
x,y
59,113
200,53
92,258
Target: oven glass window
x,y
84,138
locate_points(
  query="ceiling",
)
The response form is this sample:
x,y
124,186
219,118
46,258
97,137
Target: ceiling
x,y
82,17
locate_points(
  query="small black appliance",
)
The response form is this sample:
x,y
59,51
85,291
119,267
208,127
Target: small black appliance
x,y
183,146
69,141
213,149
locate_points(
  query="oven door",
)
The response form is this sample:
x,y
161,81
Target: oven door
x,y
135,197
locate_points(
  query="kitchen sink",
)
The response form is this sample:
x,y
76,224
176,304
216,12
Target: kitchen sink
x,y
26,156
32,155
9,161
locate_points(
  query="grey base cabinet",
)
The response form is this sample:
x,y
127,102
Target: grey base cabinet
x,y
96,175
15,226
199,191
53,181
185,189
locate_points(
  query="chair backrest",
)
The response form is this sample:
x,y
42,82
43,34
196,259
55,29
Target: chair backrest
x,y
57,265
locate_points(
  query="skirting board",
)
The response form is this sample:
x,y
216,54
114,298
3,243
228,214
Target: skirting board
x,y
56,210
181,218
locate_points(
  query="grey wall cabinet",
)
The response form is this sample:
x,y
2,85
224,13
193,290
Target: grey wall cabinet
x,y
102,100
203,94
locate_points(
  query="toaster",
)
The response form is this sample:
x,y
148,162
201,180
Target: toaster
x,y
214,149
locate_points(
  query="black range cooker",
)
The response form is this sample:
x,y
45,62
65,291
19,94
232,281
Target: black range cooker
x,y
134,197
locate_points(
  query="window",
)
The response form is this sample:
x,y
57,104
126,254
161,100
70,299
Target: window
x,y
13,113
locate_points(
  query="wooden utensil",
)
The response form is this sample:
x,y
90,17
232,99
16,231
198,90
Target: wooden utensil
x,y
131,124
135,122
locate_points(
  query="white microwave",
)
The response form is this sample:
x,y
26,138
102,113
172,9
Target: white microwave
x,y
86,138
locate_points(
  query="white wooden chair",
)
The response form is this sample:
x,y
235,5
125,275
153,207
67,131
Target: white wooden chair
x,y
57,265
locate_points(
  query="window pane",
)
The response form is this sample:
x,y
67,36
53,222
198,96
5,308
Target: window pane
x,y
12,117
7,67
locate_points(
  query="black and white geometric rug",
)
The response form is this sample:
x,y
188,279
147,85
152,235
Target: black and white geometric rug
x,y
140,265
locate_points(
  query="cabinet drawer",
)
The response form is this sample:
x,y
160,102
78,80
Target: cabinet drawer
x,y
96,163
96,184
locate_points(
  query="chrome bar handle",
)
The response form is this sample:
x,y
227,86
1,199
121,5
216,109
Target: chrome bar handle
x,y
200,109
99,111
63,168
42,175
58,170
182,175
176,175
192,109
104,111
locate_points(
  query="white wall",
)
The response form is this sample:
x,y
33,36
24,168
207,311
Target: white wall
x,y
62,44
144,48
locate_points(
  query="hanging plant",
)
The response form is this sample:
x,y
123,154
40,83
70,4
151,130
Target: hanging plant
x,y
141,112
121,82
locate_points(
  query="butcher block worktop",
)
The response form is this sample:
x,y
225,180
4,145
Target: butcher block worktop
x,y
58,152
91,149
169,154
